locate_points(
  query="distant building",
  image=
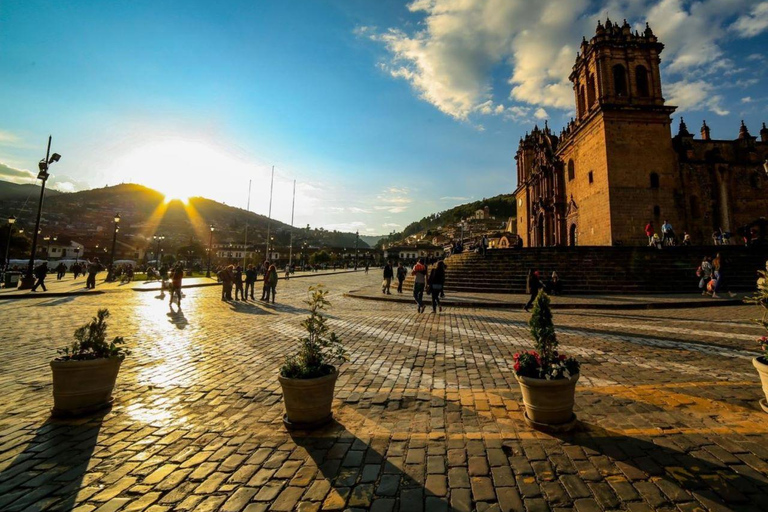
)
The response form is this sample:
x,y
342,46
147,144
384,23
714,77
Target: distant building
x,y
56,251
616,166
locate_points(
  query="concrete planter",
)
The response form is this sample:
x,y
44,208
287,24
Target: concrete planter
x,y
308,401
81,387
762,369
549,403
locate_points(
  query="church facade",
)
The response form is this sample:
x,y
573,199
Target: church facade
x,y
616,166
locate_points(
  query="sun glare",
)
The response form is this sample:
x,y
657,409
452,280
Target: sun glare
x,y
171,197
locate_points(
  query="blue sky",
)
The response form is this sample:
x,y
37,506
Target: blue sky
x,y
383,111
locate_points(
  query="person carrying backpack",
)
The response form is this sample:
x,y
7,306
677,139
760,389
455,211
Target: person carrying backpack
x,y
401,274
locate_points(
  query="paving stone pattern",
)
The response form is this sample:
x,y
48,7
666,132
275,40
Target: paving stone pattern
x,y
428,413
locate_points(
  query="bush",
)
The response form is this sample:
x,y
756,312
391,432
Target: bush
x,y
91,342
761,299
545,362
319,350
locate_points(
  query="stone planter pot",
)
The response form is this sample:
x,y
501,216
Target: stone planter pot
x,y
81,387
308,401
762,369
549,403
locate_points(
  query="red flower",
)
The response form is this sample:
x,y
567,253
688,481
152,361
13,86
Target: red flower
x,y
517,367
561,357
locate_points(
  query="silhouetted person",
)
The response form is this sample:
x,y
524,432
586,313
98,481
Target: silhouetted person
x,y
436,283
401,273
40,272
533,285
176,278
239,292
251,275
388,274
93,268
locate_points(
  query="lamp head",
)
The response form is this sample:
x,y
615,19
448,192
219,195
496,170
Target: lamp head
x,y
117,218
54,158
212,228
11,219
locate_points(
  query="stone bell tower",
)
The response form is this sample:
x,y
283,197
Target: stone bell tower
x,y
621,167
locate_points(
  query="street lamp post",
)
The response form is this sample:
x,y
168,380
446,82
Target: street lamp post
x,y
6,261
357,237
77,253
29,279
210,249
158,238
114,242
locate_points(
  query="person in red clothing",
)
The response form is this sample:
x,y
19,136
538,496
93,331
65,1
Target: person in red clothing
x,y
419,273
649,232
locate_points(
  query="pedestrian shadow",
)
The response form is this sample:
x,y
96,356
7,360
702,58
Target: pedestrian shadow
x,y
177,318
248,308
49,472
283,308
684,468
56,302
362,478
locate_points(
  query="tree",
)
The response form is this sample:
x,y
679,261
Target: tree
x,y
319,257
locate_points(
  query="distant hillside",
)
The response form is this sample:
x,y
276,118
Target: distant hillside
x,y
144,213
502,207
15,192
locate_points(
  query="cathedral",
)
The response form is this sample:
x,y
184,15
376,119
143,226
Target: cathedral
x,y
616,166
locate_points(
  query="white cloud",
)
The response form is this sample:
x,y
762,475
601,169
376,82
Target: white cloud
x,y
540,114
696,95
14,175
752,24
452,55
746,99
391,225
7,138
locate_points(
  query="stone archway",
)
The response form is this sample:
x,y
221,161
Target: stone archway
x,y
572,235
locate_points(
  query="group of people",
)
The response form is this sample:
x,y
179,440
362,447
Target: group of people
x,y
244,282
433,284
534,283
668,237
712,274
389,273
91,268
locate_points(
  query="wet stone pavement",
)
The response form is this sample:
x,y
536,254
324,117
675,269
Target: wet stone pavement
x,y
428,413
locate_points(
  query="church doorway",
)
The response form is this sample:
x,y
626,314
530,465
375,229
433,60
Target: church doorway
x,y
572,236
540,232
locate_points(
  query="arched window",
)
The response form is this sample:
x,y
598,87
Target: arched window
x,y
590,90
619,80
591,178
582,108
641,77
571,170
654,180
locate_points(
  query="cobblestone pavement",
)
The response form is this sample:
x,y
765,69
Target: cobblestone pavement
x,y
428,413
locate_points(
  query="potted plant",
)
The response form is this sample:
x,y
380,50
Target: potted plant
x,y
85,372
761,363
308,377
547,378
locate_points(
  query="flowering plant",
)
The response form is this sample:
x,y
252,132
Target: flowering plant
x,y
761,299
545,362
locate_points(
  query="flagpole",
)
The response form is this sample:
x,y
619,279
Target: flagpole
x,y
248,210
293,205
269,216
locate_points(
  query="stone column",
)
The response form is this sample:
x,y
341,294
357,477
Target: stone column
x,y
725,199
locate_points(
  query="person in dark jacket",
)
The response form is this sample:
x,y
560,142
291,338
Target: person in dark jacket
x,y
533,285
226,276
436,282
94,267
401,274
265,284
271,281
40,272
239,292
250,280
388,274
61,269
176,277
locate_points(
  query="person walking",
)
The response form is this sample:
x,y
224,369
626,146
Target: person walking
x,y
720,273
484,245
401,273
75,270
239,292
272,282
40,272
93,268
61,269
436,283
251,275
649,231
419,273
705,274
366,266
533,285
388,274
176,277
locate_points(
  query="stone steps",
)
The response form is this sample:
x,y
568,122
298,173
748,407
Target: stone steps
x,y
599,269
